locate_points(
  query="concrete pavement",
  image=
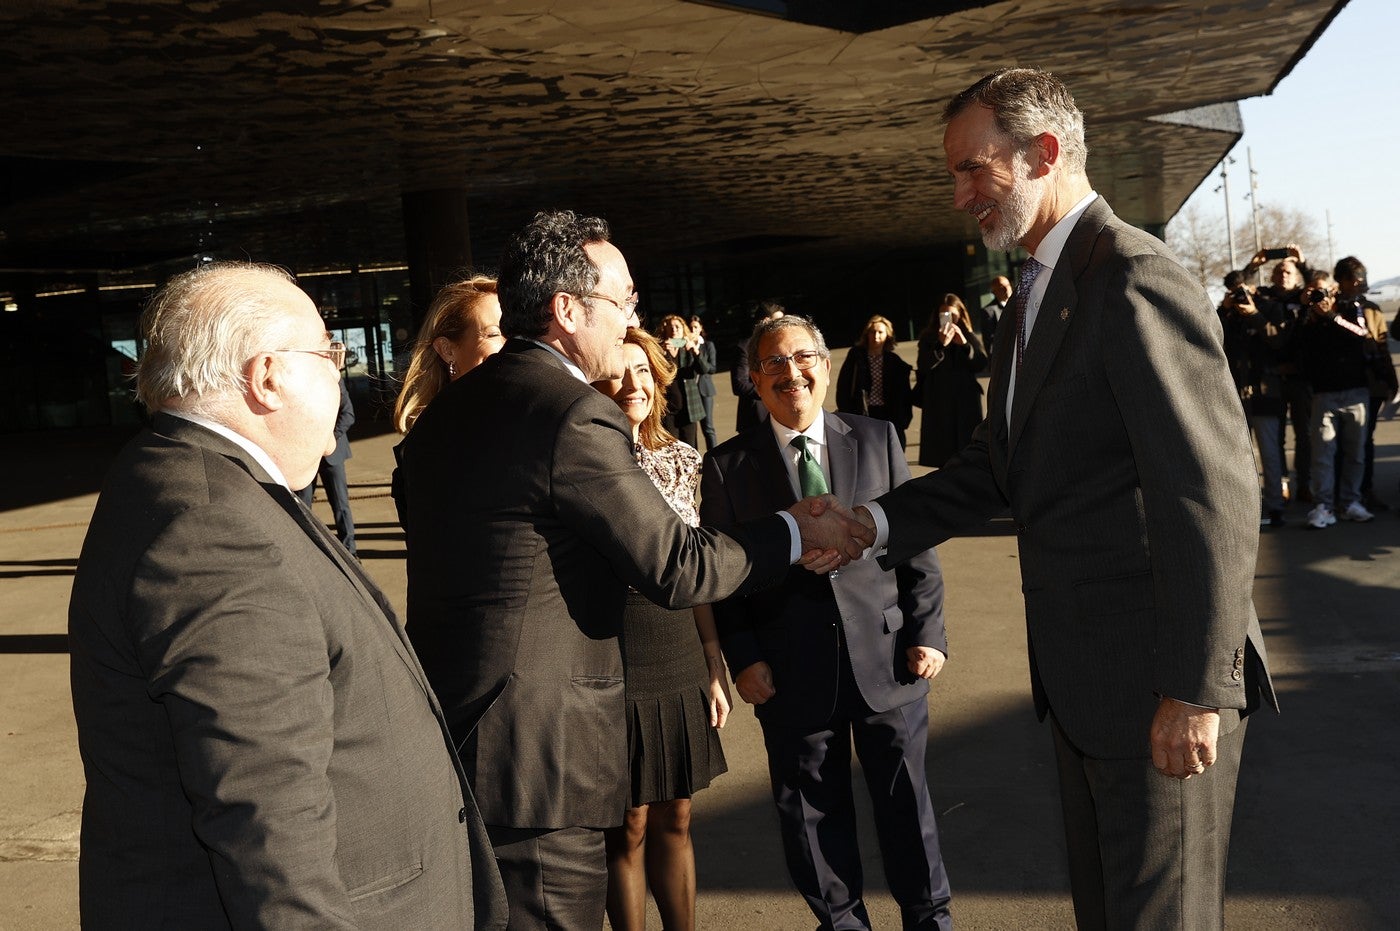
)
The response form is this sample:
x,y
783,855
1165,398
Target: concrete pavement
x,y
1316,824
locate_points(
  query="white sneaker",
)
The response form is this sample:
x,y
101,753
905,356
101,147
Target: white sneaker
x,y
1357,511
1321,517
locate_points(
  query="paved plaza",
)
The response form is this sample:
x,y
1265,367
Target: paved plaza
x,y
1317,824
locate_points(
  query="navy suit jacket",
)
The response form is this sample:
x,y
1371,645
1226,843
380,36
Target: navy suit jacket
x,y
795,627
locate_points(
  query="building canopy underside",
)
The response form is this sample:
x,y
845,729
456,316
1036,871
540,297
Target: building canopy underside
x,y
141,132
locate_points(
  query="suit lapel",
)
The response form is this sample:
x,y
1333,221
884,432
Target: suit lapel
x,y
1057,312
769,470
841,457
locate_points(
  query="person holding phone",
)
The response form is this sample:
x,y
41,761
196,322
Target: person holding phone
x,y
685,407
950,356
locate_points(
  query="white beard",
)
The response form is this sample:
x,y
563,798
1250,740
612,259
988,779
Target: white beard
x,y
1016,211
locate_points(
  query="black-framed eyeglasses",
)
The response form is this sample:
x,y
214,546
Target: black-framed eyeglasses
x,y
777,365
628,307
335,352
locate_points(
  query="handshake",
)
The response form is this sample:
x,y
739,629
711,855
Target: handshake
x,y
832,534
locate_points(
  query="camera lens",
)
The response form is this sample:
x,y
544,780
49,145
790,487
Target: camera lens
x,y
1316,296
1240,295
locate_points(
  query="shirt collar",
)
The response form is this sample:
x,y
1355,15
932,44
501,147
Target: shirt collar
x,y
1048,252
238,439
816,433
574,370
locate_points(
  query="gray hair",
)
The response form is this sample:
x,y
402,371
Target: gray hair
x,y
770,325
201,329
1025,103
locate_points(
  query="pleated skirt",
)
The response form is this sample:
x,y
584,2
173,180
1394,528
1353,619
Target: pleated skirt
x,y
673,750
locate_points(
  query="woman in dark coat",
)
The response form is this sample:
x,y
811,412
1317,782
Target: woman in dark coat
x,y
950,356
874,381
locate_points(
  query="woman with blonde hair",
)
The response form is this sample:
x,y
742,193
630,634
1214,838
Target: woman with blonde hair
x,y
685,407
462,328
950,356
874,381
677,694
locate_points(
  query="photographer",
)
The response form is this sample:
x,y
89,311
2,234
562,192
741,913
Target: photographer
x,y
1286,291
1332,347
1254,336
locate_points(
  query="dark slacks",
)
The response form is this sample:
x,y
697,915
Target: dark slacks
x,y
810,771
332,477
555,880
1147,851
707,426
1297,391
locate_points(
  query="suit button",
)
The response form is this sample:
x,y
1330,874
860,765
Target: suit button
x,y
462,816
1236,675
1020,527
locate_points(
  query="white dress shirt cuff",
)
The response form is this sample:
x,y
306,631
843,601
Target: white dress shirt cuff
x,y
882,530
795,546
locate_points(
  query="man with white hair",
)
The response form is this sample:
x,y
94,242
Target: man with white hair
x,y
261,746
1115,436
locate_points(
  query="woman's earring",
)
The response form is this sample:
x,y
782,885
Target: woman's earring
x,y
451,368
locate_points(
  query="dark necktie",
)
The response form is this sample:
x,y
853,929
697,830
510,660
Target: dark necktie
x,y
809,471
1029,272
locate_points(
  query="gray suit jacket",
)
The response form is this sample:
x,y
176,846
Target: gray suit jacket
x,y
794,627
1128,471
260,744
528,518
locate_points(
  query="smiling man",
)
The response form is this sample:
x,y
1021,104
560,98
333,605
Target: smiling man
x,y
528,518
1115,437
828,660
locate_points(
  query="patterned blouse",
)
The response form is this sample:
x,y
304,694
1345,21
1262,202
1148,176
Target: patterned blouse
x,y
675,471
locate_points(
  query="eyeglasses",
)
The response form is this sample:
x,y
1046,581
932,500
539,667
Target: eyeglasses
x,y
335,352
777,365
628,307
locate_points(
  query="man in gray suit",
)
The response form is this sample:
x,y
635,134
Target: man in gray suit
x,y
260,743
1116,438
831,659
528,518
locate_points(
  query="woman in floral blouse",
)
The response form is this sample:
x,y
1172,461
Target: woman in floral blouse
x,y
677,692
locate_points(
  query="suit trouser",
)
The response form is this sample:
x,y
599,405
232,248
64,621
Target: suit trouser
x,y
554,879
810,771
1297,391
1147,851
332,476
707,426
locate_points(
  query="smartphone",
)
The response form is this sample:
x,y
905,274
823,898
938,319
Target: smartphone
x,y
945,319
676,341
1272,254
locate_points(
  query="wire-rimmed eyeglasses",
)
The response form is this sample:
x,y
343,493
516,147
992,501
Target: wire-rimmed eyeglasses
x,y
335,352
628,307
777,365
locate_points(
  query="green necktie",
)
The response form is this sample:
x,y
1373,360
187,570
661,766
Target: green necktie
x,y
809,470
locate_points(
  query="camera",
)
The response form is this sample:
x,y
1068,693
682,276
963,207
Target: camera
x,y
1316,296
1241,295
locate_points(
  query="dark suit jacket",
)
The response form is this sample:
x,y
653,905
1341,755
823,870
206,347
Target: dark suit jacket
x,y
709,364
343,422
793,627
1128,471
853,386
750,410
528,518
260,744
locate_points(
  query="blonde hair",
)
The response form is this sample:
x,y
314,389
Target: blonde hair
x,y
651,433
427,373
864,340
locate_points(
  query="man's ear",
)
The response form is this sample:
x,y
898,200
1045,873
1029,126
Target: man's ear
x,y
568,313
1045,150
265,382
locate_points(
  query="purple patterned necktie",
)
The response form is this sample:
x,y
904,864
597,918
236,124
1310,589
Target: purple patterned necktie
x,y
1029,271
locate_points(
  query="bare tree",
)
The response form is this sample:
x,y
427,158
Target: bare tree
x,y
1197,236
1198,239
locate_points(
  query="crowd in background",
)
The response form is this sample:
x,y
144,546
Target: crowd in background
x,y
1309,352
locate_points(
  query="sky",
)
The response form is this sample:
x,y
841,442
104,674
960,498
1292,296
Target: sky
x,y
1328,138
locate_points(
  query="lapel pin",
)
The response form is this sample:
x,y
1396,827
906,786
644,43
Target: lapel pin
x,y
1064,313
